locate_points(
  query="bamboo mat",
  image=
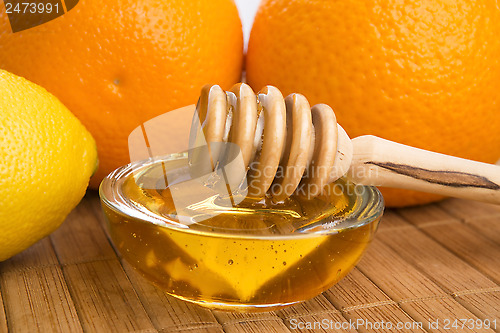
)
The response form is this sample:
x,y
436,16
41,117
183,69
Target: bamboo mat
x,y
435,262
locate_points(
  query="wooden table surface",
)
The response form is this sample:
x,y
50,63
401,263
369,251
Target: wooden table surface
x,y
435,262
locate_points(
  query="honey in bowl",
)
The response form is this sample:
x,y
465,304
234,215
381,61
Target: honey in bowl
x,y
255,256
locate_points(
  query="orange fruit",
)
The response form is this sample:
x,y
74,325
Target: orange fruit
x,y
118,63
423,73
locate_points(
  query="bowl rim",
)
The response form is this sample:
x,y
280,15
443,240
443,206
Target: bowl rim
x,y
375,208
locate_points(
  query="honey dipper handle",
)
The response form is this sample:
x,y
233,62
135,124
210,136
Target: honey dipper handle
x,y
380,162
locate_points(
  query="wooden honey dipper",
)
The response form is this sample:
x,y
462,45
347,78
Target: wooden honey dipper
x,y
309,149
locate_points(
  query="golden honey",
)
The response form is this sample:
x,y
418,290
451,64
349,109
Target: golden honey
x,y
255,256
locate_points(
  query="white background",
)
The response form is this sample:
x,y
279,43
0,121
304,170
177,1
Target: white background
x,y
247,9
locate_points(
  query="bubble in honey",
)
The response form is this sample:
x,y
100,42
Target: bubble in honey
x,y
230,262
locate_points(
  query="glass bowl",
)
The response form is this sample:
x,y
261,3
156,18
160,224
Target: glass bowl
x,y
249,258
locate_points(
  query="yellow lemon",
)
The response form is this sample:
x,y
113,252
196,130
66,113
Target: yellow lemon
x,y
46,159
